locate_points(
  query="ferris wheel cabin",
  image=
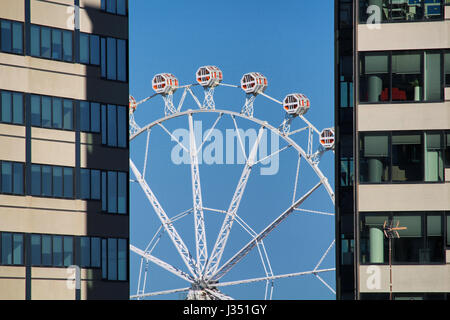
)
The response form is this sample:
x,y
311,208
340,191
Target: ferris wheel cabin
x,y
296,104
253,82
327,138
209,76
165,83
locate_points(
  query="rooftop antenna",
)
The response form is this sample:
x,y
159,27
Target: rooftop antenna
x,y
391,232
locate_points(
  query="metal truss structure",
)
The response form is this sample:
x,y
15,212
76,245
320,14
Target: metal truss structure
x,y
204,271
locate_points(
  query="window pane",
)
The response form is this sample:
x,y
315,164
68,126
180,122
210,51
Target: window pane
x,y
122,121
447,149
57,182
57,251
448,230
18,178
17,40
104,259
84,116
95,117
122,259
6,177
6,107
407,157
95,49
407,80
374,77
47,179
112,191
433,90
95,252
104,125
103,57
111,59
45,42
95,184
56,44
18,249
68,182
84,48
112,125
6,248
46,250
374,158
122,187
36,250
68,115
6,36
35,110
85,246
67,46
57,113
35,180
104,192
408,247
18,108
35,41
121,60
121,7
112,259
68,251
85,184
111,6
434,157
447,69
46,112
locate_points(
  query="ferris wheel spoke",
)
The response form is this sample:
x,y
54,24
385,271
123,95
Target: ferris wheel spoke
x,y
239,137
273,154
166,222
173,137
146,152
247,248
275,277
210,132
162,264
315,212
199,219
224,233
324,255
158,293
325,283
194,97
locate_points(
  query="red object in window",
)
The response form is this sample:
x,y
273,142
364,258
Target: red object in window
x,y
397,94
385,95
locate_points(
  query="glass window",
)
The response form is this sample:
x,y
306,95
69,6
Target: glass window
x,y
6,104
45,42
95,184
57,182
84,48
35,249
407,157
121,7
6,40
67,46
374,158
57,251
103,57
122,187
68,115
68,182
112,125
112,191
374,82
35,110
95,49
447,149
7,177
68,251
17,38
409,246
85,184
6,248
18,108
104,259
434,157
433,78
35,41
47,179
447,68
85,246
95,252
111,6
56,44
57,113
121,60
448,229
95,117
46,250
84,116
17,249
112,259
111,59
46,112
104,192
434,249
122,121
407,84
35,180
104,125
122,260
18,178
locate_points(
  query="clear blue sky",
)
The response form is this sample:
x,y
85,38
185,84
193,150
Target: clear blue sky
x,y
291,43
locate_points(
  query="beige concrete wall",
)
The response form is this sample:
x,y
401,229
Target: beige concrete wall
x,y
58,14
12,283
402,36
417,278
404,197
12,142
12,10
408,116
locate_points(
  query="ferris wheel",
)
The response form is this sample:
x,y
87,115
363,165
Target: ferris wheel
x,y
206,264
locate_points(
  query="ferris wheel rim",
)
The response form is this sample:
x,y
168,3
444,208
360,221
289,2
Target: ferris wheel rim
x,y
263,123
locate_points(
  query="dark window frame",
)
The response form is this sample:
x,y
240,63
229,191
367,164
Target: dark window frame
x,y
12,193
104,59
103,8
105,260
52,121
13,108
52,177
22,253
63,31
104,192
12,37
104,126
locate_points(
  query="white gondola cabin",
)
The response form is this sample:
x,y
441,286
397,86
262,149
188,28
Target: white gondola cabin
x,y
165,83
132,104
327,138
296,104
209,76
253,82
